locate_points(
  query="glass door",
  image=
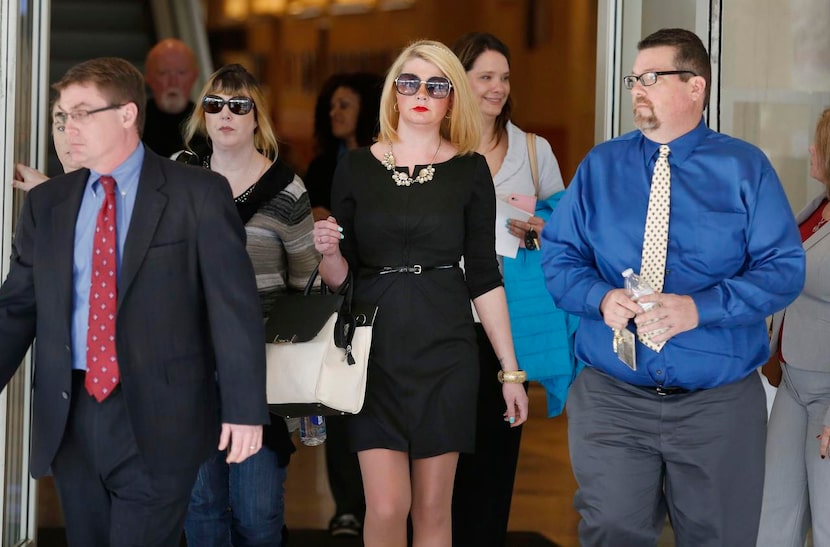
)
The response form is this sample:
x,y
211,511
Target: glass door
x,y
775,82
770,72
22,119
621,24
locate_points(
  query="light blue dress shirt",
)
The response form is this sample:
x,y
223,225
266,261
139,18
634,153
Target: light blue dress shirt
x,y
126,178
733,247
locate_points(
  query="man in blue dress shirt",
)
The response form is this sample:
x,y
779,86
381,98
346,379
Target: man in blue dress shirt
x,y
683,430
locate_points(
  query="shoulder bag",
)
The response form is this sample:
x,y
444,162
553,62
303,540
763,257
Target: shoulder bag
x,y
534,168
317,352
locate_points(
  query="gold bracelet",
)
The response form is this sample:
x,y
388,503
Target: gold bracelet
x,y
512,376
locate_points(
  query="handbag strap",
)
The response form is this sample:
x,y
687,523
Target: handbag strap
x,y
346,322
345,288
534,168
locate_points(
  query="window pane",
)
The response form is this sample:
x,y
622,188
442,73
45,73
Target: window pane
x,y
775,81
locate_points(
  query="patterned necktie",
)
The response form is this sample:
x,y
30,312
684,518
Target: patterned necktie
x,y
102,365
656,236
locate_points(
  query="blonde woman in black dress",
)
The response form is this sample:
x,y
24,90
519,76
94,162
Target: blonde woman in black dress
x,y
405,211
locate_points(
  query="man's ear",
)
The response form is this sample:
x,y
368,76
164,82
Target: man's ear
x,y
129,114
698,87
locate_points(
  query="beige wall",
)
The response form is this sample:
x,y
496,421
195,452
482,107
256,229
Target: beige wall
x,y
776,81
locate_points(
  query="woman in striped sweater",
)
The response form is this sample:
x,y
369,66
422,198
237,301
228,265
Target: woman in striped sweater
x,y
273,204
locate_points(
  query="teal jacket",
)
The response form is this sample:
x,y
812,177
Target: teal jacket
x,y
543,335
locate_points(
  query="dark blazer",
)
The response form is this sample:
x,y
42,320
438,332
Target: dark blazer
x,y
188,313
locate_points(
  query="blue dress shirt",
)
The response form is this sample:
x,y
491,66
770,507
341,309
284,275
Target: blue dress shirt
x,y
126,178
733,247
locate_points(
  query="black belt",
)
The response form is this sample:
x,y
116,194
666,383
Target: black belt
x,y
663,391
416,269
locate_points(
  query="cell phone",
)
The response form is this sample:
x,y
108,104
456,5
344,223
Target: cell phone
x,y
524,202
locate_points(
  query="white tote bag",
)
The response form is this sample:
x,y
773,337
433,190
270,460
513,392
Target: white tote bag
x,y
317,353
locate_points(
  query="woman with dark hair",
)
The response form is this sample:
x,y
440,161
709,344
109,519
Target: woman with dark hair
x,y
484,479
243,505
345,118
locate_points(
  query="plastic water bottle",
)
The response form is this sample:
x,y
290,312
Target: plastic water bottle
x,y
312,430
636,287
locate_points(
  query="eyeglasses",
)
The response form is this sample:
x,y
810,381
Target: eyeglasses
x,y
650,78
437,87
81,116
237,105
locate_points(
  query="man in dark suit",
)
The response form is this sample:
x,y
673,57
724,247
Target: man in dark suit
x,y
125,412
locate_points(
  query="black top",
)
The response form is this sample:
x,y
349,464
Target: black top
x,y
163,132
318,179
423,368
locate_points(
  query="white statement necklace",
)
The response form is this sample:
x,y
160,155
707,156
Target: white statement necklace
x,y
402,178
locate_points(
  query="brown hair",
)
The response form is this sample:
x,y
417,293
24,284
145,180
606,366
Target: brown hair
x,y
468,48
367,87
117,80
690,53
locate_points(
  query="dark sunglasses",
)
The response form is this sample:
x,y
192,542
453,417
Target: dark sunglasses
x,y
237,105
438,87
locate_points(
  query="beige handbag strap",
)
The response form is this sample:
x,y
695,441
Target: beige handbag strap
x,y
534,168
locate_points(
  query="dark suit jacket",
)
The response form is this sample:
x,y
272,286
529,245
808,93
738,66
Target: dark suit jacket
x,y
188,313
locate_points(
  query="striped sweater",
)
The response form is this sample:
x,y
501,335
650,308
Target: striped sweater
x,y
278,225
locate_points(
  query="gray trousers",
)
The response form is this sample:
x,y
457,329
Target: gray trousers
x,y
637,455
797,480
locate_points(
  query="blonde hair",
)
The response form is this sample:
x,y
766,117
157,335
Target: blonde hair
x,y
463,128
822,144
234,80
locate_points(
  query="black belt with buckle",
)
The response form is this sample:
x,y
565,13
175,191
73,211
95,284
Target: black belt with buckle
x,y
416,269
663,391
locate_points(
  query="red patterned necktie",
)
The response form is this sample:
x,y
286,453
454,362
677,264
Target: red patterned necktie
x,y
101,362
